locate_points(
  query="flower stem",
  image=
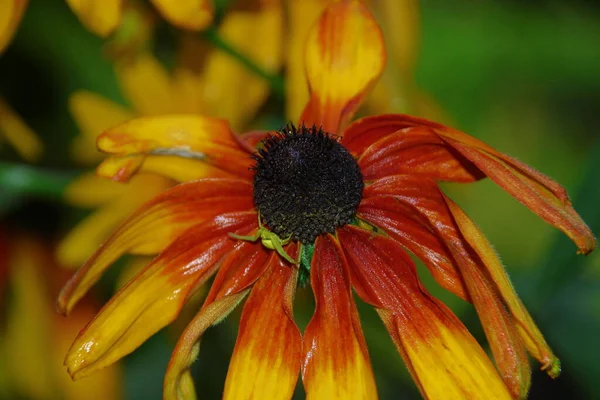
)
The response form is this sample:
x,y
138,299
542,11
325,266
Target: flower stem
x,y
275,81
21,179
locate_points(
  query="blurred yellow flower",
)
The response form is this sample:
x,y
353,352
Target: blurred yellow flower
x,y
15,131
33,337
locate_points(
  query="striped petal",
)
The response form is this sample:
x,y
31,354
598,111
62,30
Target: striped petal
x,y
536,191
399,218
189,136
443,358
18,133
11,12
336,361
267,354
156,224
100,17
186,14
494,269
344,55
154,297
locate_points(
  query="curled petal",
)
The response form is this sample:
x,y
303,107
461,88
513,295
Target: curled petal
x,y
189,136
186,14
443,358
156,224
336,361
154,297
344,55
536,191
178,379
11,12
267,354
100,17
494,269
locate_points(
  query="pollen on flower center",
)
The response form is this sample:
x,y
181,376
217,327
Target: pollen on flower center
x,y
306,183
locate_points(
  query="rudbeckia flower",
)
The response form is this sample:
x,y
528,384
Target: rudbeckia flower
x,y
342,203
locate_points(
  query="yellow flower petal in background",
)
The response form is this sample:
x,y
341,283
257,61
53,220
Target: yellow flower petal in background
x,y
344,55
11,12
18,134
93,114
99,16
187,14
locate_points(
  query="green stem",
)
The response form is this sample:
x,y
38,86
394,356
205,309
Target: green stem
x,y
275,81
21,179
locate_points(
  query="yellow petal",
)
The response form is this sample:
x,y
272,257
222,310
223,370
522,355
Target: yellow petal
x,y
267,354
336,362
531,335
256,28
99,16
11,12
89,190
187,14
344,55
93,114
18,134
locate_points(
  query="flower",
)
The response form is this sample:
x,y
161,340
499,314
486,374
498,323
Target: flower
x,y
204,80
368,193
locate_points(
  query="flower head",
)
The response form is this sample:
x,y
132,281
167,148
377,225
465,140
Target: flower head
x,y
344,203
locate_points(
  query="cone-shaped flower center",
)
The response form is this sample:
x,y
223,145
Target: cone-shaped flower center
x,y
306,183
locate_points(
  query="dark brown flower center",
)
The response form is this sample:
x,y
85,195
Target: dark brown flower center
x,y
306,183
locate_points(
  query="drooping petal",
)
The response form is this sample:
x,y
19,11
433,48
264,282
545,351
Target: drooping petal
x,y
536,191
336,361
344,55
186,14
11,12
178,379
267,354
115,202
155,296
189,136
529,332
443,358
156,224
18,133
500,327
100,17
256,28
93,114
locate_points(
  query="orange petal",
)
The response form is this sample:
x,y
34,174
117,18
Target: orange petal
x,y
18,133
536,191
178,379
336,360
189,136
267,354
100,17
156,224
155,296
186,14
11,12
493,268
443,358
344,55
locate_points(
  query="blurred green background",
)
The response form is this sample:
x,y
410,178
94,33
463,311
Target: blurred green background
x,y
522,76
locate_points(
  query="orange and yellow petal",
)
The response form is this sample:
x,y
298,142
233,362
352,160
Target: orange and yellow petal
x,y
344,55
399,205
336,361
186,14
158,223
99,16
442,356
11,12
267,354
156,295
18,133
189,136
528,330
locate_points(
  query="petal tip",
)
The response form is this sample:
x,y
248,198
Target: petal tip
x,y
552,368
